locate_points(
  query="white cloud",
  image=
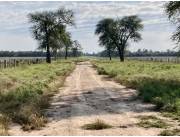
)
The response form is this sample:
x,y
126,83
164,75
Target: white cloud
x,y
14,22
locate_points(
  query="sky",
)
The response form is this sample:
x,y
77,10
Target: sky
x,y
15,31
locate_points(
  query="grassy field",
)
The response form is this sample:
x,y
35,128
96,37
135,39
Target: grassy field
x,y
25,92
158,83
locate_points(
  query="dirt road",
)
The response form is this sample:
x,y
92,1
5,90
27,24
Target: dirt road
x,y
88,96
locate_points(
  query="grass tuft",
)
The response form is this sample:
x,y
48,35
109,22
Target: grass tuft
x,y
97,125
151,121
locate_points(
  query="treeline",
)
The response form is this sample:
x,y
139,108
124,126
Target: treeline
x,y
71,53
138,53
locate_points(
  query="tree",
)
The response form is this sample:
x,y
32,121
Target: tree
x,y
117,33
104,29
67,42
47,25
125,29
172,9
75,48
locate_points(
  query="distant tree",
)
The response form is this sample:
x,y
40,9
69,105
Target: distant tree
x,y
104,29
75,48
125,29
47,24
67,42
172,9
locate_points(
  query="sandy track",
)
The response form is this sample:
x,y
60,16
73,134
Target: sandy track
x,y
86,97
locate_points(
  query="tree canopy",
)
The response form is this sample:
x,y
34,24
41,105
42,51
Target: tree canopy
x,y
49,28
116,33
172,9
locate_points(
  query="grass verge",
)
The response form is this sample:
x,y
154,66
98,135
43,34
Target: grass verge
x,y
158,83
151,121
28,93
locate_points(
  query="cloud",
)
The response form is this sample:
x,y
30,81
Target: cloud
x,y
14,22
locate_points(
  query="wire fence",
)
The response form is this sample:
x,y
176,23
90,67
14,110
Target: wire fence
x,y
157,59
15,62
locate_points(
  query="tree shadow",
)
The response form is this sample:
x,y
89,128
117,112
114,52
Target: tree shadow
x,y
95,102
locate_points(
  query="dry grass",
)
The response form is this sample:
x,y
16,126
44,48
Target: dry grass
x,y
32,86
151,121
97,125
173,132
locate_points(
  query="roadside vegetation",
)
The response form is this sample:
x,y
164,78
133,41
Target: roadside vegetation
x,y
97,125
152,121
25,92
158,83
173,132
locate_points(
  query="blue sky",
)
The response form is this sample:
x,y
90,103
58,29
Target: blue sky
x,y
15,33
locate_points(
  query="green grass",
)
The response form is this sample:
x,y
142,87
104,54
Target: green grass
x,y
152,121
97,125
25,91
158,83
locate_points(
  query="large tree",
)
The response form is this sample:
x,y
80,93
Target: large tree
x,y
47,25
126,29
172,9
117,33
104,29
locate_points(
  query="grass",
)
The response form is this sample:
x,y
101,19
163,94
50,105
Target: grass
x,y
158,83
97,125
152,121
174,116
25,92
173,132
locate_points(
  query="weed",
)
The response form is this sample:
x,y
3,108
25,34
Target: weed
x,y
97,125
4,121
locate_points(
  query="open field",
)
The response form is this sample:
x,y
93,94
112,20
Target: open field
x,y
158,83
26,90
90,104
32,98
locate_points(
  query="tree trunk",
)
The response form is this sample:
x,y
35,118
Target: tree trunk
x,y
109,52
66,52
121,53
48,55
122,56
